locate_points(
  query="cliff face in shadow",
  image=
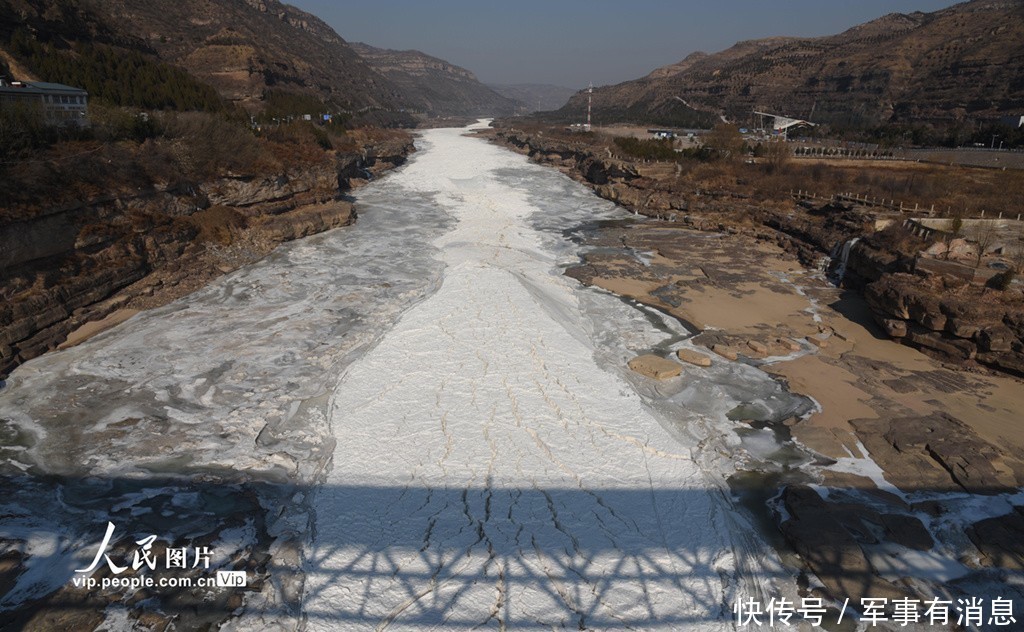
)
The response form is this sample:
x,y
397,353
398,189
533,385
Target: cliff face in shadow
x,y
104,256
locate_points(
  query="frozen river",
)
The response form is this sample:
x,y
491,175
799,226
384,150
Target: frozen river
x,y
487,471
418,423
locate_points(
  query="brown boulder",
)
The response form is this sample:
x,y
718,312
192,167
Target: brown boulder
x,y
935,453
829,549
893,327
1001,540
996,338
790,344
954,348
907,531
757,347
655,367
887,299
1011,362
693,357
923,307
1015,321
725,351
965,309
962,327
933,320
817,342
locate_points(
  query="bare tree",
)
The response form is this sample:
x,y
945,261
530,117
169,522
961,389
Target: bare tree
x,y
776,155
726,140
1017,255
984,234
954,231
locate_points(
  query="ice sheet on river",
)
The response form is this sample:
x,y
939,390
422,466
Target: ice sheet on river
x,y
487,471
495,463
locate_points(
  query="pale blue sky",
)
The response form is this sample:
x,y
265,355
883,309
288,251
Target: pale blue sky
x,y
573,42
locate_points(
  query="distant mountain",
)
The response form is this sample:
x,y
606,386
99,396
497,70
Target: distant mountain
x,y
243,48
435,86
252,52
535,97
966,61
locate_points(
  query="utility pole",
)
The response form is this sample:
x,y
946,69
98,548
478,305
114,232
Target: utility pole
x,y
590,100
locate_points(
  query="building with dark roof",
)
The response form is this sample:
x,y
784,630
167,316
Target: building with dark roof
x,y
60,104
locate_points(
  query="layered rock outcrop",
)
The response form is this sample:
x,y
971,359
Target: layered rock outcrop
x,y
69,266
961,323
923,306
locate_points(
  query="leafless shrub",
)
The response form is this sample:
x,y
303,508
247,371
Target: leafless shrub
x,y
984,234
212,145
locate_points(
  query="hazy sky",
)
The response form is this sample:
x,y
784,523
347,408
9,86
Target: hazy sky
x,y
573,42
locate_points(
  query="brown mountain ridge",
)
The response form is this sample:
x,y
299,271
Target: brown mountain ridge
x,y
961,62
435,86
246,49
242,48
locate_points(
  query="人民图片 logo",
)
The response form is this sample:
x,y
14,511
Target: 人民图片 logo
x,y
173,559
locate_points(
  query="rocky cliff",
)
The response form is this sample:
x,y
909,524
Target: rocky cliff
x,y
72,265
959,62
435,86
641,187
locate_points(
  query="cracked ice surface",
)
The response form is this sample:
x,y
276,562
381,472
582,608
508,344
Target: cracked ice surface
x,y
487,472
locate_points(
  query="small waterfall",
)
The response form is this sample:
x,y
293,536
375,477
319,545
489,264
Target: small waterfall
x,y
839,272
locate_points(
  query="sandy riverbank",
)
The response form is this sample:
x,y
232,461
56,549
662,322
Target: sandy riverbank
x,y
742,288
93,328
900,438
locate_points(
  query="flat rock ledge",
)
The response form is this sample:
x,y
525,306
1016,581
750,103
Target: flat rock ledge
x,y
693,357
655,367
